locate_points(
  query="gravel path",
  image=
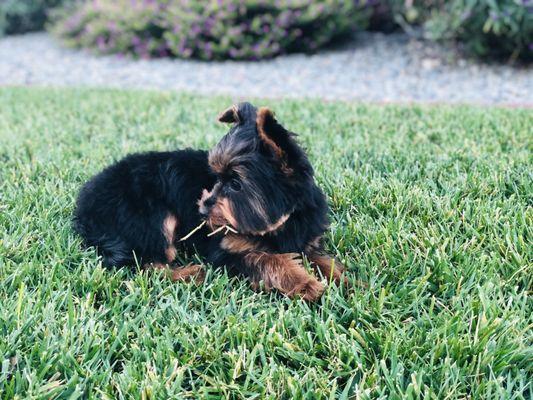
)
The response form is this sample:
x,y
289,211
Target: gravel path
x,y
373,67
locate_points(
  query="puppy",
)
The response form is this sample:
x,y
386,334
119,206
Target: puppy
x,y
250,204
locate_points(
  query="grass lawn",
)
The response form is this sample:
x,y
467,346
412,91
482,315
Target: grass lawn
x,y
432,208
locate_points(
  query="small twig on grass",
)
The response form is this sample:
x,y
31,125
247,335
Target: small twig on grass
x,y
192,232
227,227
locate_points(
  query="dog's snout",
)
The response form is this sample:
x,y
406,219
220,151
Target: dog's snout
x,y
209,202
207,205
206,202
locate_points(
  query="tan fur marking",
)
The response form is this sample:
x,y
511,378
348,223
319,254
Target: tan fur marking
x,y
171,253
275,226
285,273
170,224
229,115
240,171
169,227
225,207
218,162
262,115
156,266
237,244
204,197
330,268
221,214
257,203
191,273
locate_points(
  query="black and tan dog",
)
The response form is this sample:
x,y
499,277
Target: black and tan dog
x,y
257,182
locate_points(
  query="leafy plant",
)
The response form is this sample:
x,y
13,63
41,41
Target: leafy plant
x,y
258,29
391,14
248,29
18,16
484,28
114,26
487,28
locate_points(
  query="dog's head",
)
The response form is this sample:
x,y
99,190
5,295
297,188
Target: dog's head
x,y
262,173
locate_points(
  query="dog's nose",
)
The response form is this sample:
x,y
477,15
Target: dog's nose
x,y
206,206
209,202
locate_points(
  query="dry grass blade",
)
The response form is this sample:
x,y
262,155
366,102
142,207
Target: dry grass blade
x,y
226,227
192,232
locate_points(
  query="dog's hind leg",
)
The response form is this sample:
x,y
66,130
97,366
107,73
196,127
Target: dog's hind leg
x,y
190,273
170,224
115,252
283,272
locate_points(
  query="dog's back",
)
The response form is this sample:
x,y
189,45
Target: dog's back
x,y
121,210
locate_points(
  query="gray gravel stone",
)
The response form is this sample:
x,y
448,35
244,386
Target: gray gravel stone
x,y
373,67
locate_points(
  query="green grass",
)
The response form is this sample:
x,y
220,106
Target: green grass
x,y
432,208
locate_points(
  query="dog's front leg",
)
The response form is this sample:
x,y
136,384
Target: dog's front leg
x,y
283,272
329,267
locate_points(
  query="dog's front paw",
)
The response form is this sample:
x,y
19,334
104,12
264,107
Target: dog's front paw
x,y
310,291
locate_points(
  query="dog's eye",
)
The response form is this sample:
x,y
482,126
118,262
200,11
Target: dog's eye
x,y
235,185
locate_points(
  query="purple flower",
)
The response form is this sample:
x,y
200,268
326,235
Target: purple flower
x,y
101,43
73,22
112,26
195,29
208,24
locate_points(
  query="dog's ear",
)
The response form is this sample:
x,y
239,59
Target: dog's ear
x,y
277,139
243,114
231,115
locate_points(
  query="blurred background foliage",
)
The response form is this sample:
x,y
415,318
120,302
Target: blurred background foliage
x,y
258,29
19,16
222,29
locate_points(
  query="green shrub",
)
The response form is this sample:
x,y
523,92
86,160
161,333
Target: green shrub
x,y
18,16
245,29
390,14
486,28
258,29
114,26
